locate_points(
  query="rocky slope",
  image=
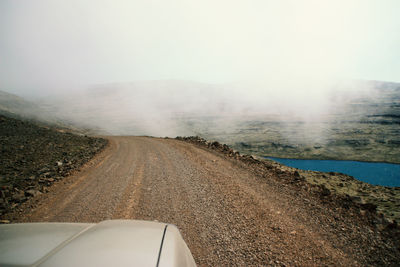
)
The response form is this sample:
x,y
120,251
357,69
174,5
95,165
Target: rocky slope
x,y
383,202
32,157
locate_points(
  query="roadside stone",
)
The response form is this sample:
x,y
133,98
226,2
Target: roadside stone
x,y
356,199
325,191
18,197
32,193
46,174
44,170
369,206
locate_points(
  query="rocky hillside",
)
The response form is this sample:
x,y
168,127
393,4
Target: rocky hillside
x,y
19,108
32,157
14,106
362,126
382,201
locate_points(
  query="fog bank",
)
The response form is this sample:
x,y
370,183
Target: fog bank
x,y
171,108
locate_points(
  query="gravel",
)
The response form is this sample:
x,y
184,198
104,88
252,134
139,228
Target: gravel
x,y
32,157
231,209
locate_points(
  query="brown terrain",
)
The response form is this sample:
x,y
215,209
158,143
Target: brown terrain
x,y
231,209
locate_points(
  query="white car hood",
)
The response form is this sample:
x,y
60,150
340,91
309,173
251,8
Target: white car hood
x,y
109,243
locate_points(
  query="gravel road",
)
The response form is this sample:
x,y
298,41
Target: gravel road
x,y
227,214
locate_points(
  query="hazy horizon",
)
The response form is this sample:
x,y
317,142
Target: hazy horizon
x,y
296,47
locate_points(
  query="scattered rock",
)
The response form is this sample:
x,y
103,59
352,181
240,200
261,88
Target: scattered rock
x,y
46,174
44,170
32,193
18,197
369,207
32,156
356,199
325,191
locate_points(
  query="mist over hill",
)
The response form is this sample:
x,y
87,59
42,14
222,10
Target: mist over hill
x,y
14,105
172,107
349,120
158,108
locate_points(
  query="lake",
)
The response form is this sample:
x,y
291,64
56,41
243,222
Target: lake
x,y
386,174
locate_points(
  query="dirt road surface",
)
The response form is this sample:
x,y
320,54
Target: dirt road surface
x,y
227,214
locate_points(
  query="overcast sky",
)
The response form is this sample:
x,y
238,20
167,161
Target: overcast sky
x,y
57,45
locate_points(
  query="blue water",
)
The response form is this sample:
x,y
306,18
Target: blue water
x,y
371,172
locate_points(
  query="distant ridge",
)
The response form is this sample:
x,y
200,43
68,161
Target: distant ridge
x,y
16,107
